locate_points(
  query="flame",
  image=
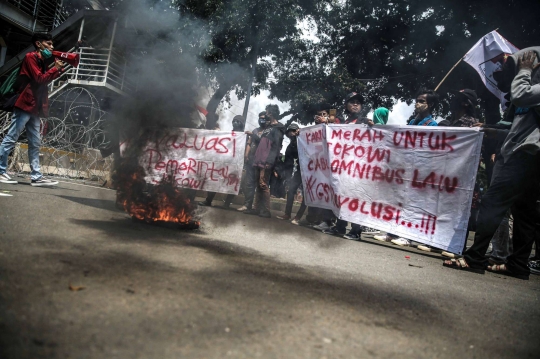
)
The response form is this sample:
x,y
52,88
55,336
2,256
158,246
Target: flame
x,y
163,202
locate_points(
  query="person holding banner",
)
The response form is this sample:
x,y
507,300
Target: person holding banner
x,y
291,156
265,159
353,108
426,102
250,183
238,126
516,175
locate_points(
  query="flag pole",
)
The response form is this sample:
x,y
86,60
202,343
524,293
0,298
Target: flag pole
x,y
452,69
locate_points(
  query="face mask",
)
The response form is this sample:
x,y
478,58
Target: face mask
x,y
262,121
237,125
421,107
46,53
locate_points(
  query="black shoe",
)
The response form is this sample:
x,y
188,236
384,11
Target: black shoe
x,y
265,215
42,182
251,211
205,204
333,231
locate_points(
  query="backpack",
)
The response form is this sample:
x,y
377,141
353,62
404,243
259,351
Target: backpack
x,y
8,91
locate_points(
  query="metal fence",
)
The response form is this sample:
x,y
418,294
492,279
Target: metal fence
x,y
48,12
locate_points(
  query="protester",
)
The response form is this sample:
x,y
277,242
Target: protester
x,y
271,139
380,116
353,107
32,103
291,158
279,177
426,102
320,217
250,182
516,174
238,125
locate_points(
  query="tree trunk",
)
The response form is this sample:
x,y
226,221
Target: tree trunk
x,y
211,107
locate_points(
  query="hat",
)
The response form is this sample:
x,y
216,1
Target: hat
x,y
353,95
292,127
469,94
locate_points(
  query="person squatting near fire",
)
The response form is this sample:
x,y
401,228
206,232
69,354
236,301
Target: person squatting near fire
x,y
291,160
516,174
238,126
32,103
353,108
271,138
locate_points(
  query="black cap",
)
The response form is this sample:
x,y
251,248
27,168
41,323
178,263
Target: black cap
x,y
292,127
469,94
353,95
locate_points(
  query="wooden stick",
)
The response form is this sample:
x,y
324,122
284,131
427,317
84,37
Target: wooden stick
x,y
440,83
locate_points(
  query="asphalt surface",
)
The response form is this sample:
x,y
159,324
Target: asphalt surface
x,y
240,287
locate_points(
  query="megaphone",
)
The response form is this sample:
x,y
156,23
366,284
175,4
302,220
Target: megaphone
x,y
71,58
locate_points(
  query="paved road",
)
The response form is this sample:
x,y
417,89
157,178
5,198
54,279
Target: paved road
x,y
241,287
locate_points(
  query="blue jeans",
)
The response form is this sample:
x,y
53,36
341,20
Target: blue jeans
x,y
19,121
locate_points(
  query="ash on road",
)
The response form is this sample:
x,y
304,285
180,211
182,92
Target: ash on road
x,y
240,287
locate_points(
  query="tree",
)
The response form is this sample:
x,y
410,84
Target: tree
x,y
404,45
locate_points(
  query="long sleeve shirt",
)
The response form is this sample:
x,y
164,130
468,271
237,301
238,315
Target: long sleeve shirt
x,y
34,96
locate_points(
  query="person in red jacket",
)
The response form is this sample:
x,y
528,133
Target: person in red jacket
x,y
32,103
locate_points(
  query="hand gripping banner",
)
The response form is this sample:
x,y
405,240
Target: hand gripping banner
x,y
412,181
197,159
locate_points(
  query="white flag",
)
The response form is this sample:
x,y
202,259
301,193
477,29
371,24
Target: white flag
x,y
487,56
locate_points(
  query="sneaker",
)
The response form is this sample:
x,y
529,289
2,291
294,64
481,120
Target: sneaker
x,y
534,266
242,209
42,182
295,221
251,211
382,238
401,242
265,215
4,178
285,217
333,231
352,237
369,231
205,204
322,226
424,248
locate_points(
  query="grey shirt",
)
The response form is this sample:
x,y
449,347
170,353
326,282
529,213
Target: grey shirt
x,y
524,134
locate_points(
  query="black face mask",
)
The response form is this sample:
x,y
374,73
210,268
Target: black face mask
x,y
262,121
237,125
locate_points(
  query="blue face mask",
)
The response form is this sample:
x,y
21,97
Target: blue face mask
x,y
46,53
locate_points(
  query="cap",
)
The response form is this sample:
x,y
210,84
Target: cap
x,y
292,127
469,94
353,95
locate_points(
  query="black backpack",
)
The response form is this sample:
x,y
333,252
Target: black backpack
x,y
8,91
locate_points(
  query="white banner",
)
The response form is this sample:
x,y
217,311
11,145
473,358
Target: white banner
x,y
197,159
413,181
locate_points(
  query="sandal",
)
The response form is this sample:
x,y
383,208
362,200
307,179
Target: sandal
x,y
501,269
461,264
